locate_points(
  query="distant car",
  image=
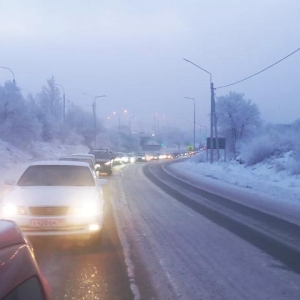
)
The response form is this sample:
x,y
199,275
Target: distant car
x,y
119,158
104,162
86,155
156,156
88,160
131,158
56,198
20,277
141,156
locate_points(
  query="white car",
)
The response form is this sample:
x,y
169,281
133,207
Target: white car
x,y
56,198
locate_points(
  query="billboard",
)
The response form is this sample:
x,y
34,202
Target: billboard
x,y
221,141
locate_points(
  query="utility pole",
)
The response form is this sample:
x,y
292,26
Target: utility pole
x,y
212,110
212,99
194,125
216,129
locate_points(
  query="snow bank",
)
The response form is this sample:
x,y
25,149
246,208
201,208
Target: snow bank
x,y
269,177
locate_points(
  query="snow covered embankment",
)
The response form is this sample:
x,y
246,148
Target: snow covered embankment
x,y
263,178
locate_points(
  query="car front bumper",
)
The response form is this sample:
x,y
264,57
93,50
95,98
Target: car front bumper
x,y
59,225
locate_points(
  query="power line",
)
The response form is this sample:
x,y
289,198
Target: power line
x,y
220,87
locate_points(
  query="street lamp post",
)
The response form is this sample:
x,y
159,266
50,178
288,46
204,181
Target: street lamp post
x,y
95,110
194,120
94,114
119,118
12,73
64,101
134,117
212,113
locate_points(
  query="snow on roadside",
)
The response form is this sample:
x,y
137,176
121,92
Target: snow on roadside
x,y
265,177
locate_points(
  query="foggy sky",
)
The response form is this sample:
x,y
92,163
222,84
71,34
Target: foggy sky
x,y
132,51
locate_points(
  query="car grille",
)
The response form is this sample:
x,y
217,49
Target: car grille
x,y
49,210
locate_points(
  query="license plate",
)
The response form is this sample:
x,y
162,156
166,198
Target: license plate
x,y
47,222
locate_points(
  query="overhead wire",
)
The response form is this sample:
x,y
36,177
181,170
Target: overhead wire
x,y
277,62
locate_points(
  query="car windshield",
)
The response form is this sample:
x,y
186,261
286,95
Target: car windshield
x,y
56,175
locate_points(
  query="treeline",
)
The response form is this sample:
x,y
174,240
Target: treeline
x,y
24,120
250,140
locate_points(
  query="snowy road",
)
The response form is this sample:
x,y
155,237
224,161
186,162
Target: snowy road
x,y
75,270
173,252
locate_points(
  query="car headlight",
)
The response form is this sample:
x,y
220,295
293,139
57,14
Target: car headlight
x,y
107,163
89,209
97,166
12,210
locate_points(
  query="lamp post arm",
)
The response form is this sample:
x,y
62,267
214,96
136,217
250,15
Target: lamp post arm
x,y
200,68
12,73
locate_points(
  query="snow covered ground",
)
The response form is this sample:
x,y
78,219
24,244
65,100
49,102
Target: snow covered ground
x,y
268,178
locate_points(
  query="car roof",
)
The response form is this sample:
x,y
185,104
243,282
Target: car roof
x,y
84,154
99,150
10,234
59,163
77,157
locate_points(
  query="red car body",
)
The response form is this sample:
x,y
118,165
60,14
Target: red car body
x,y
20,277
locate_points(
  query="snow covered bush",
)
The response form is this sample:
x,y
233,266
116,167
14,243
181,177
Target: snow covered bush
x,y
294,165
258,149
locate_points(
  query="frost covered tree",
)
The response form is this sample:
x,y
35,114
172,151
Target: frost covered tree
x,y
18,124
81,122
50,112
238,118
51,100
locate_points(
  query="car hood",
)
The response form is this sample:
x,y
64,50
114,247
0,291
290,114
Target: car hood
x,y
50,195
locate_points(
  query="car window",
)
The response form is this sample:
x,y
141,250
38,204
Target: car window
x,y
30,289
56,175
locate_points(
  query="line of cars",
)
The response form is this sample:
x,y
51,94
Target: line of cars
x,y
64,197
51,198
150,156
